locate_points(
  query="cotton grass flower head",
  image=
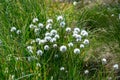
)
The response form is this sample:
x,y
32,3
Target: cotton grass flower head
x,y
62,69
82,46
40,25
46,47
53,32
63,48
68,29
13,29
47,38
39,52
84,33
104,61
76,51
57,36
74,3
62,24
54,45
18,32
35,20
77,29
30,49
49,26
50,21
70,44
59,18
115,66
86,41
86,72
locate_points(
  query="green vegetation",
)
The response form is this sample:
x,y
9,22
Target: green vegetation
x,y
45,40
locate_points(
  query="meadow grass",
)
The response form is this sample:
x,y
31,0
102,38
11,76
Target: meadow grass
x,y
23,54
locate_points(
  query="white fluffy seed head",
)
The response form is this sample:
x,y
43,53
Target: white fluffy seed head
x,y
76,51
53,40
49,26
84,33
46,47
37,39
40,25
68,29
13,29
18,32
62,68
70,44
35,20
39,52
54,45
32,42
77,29
63,48
57,36
53,32
31,26
104,61
82,46
62,24
59,18
50,21
38,64
30,49
115,66
86,71
47,38
74,3
86,41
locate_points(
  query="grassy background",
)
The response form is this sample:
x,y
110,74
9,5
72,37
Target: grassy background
x,y
102,27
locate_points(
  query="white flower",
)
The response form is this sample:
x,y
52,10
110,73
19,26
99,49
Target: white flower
x,y
42,41
84,33
37,39
74,35
77,51
38,64
30,49
39,52
63,48
59,18
62,68
33,41
46,47
115,66
57,36
82,46
54,45
36,30
62,24
49,21
86,71
70,44
40,25
47,38
35,20
78,37
112,15
18,31
53,40
86,41
49,26
77,29
31,26
13,29
104,61
53,32
68,29
47,34
74,3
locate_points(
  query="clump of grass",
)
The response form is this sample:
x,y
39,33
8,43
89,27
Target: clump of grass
x,y
36,43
